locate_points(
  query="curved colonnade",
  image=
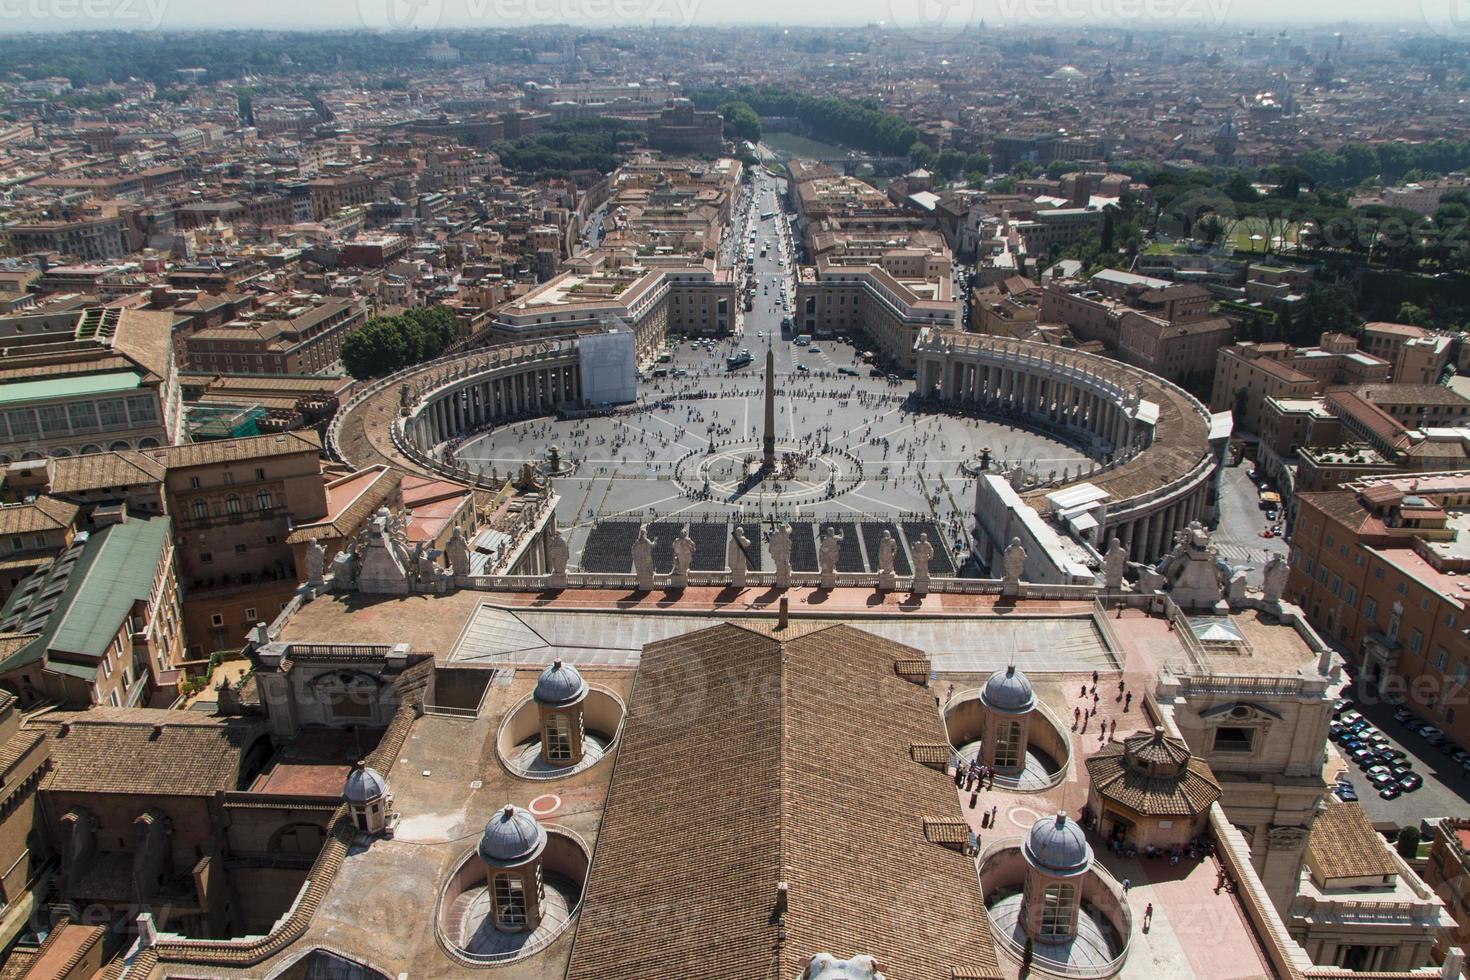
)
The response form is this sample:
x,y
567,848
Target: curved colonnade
x,y
407,418
1161,454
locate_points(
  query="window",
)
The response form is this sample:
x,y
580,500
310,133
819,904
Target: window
x,y
216,619
53,419
82,415
259,473
558,737
510,902
1439,657
1352,595
1329,541
1378,571
1416,641
1370,608
263,500
1230,738
112,413
201,510
17,544
1337,585
1449,620
1311,565
1057,901
249,614
141,409
1007,744
206,557
229,478
232,504
194,483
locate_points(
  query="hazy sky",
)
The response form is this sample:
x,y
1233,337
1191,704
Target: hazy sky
x,y
937,18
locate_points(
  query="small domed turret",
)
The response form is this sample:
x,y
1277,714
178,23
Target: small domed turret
x,y
512,837
1057,847
1008,691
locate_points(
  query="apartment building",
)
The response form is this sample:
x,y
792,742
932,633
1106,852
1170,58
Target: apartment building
x,y
88,239
290,335
1448,873
1418,356
234,502
1381,566
84,382
1246,374
872,298
100,624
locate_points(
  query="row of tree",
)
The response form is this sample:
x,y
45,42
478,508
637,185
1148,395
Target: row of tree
x,y
389,343
860,125
567,146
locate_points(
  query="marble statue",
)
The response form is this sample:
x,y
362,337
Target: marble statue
x,y
423,563
735,556
780,545
459,552
643,559
922,552
887,555
316,559
1113,564
683,556
1014,562
557,556
1274,579
827,557
825,966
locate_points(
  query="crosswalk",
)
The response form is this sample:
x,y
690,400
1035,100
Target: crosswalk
x,y
1240,555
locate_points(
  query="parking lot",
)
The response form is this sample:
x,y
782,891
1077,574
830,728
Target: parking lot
x,y
1446,789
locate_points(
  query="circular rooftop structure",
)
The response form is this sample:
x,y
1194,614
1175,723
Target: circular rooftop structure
x,y
364,785
512,837
1058,847
1008,692
559,686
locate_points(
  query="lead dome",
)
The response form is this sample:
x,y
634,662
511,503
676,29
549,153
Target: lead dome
x,y
559,686
512,837
1008,692
1057,847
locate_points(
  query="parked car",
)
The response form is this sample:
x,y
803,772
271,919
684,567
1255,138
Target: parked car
x,y
1363,757
1391,791
1400,771
1346,793
1403,715
1392,755
1351,717
1383,779
1411,782
1341,705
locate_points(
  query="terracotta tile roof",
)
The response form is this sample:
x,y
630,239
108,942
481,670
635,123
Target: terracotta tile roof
x,y
750,760
1186,795
41,514
1343,844
96,471
232,450
116,750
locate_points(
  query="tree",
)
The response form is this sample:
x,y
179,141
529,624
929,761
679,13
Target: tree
x,y
1105,239
376,349
741,121
920,155
1407,843
1414,314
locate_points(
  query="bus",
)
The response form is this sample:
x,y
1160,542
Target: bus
x,y
767,215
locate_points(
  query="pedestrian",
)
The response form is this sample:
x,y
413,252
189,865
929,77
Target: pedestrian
x,y
959,777
1122,686
1127,700
1126,885
1094,677
1084,691
1148,915
1076,717
1113,728
1095,698
992,816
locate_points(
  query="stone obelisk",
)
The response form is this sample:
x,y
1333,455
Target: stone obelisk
x,y
768,441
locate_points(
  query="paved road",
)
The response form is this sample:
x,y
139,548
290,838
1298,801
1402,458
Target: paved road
x,y
1238,538
1446,789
